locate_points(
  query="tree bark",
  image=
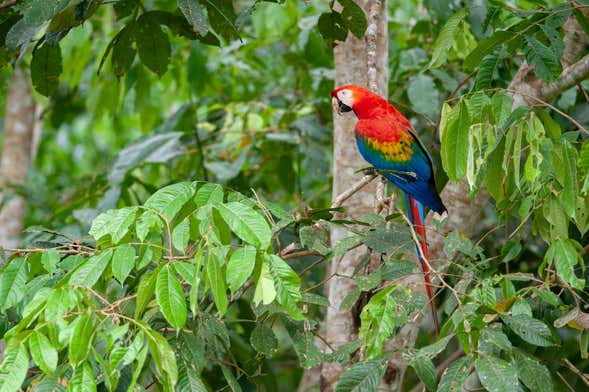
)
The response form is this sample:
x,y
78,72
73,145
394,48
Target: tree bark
x,y
363,62
17,152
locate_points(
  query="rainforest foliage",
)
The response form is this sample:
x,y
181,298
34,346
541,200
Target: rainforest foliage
x,y
179,204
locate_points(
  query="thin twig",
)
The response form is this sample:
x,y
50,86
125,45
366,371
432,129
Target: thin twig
x,y
341,198
7,4
574,369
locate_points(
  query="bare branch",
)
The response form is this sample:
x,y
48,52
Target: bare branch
x,y
341,198
570,77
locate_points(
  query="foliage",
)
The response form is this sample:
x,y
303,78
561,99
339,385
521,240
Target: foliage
x,y
189,139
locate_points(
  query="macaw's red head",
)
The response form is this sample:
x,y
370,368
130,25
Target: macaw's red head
x,y
362,101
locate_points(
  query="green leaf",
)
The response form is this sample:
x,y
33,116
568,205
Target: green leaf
x,y
564,256
81,339
209,194
46,68
287,284
169,200
530,329
424,367
378,321
246,223
265,290
353,18
83,379
546,62
38,11
216,279
170,297
570,189
90,271
123,261
43,352
181,235
362,376
495,374
532,373
163,356
492,341
434,349
49,260
397,268
12,283
222,18
316,299
263,340
115,222
123,51
485,47
13,369
189,380
424,95
195,15
455,375
332,26
145,291
153,44
487,70
454,149
447,38
240,267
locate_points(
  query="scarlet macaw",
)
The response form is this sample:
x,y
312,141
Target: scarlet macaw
x,y
387,140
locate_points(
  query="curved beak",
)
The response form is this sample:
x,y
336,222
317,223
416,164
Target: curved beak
x,y
339,106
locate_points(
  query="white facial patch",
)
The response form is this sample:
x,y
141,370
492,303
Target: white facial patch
x,y
345,96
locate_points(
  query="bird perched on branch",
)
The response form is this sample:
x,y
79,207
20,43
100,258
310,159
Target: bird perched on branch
x,y
388,142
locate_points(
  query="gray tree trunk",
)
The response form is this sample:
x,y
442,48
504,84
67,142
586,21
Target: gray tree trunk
x,y
363,62
17,152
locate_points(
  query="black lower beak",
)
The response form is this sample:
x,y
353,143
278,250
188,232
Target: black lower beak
x,y
343,108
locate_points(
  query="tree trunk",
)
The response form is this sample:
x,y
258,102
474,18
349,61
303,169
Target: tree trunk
x,y
363,62
17,153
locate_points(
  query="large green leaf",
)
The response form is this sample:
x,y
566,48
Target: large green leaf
x,y
12,282
115,222
163,356
240,267
455,145
265,288
145,291
123,261
364,376
246,223
546,62
13,369
46,68
485,47
189,380
565,257
532,373
123,51
495,374
169,200
263,340
170,297
287,284
43,352
216,279
83,379
378,321
530,329
81,339
91,270
447,38
353,17
38,11
195,15
455,375
153,44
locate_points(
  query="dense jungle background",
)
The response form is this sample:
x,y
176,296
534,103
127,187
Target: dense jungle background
x,y
181,210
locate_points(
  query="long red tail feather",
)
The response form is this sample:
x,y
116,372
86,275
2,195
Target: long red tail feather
x,y
415,213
